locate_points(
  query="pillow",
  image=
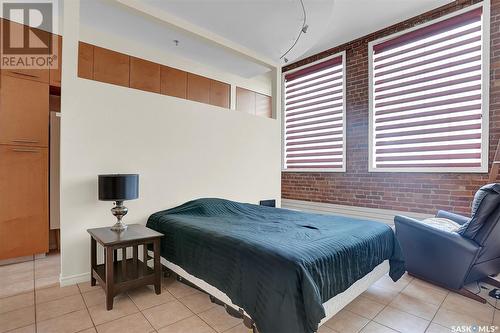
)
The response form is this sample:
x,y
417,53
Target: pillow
x,y
442,224
486,200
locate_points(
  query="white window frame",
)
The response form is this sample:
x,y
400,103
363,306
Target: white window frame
x,y
344,120
485,96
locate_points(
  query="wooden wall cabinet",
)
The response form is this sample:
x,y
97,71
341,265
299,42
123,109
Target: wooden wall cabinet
x,y
198,88
254,103
219,93
24,228
144,75
55,69
173,82
85,60
24,112
111,67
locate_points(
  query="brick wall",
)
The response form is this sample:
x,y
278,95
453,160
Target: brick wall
x,y
415,192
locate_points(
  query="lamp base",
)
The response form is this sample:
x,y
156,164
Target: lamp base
x,y
119,226
119,210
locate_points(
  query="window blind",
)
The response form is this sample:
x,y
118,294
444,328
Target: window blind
x,y
427,97
314,117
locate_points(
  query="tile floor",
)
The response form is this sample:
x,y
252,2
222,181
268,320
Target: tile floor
x,y
32,301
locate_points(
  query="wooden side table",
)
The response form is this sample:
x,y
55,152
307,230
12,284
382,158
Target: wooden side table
x,y
118,276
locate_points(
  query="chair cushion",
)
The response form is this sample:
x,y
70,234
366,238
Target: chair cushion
x,y
486,200
442,224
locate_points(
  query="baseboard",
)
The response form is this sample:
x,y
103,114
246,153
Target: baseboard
x,y
74,279
375,214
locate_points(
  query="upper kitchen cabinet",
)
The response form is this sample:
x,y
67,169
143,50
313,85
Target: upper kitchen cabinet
x,y
111,67
198,88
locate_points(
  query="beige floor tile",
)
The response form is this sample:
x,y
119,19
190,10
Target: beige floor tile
x,y
423,292
94,297
239,329
53,293
166,314
325,329
192,324
448,318
386,283
69,323
16,302
219,319
85,286
89,330
414,306
47,282
178,289
428,285
22,267
496,318
26,329
145,297
17,318
374,327
365,307
401,321
197,303
380,295
16,287
122,306
461,304
59,307
347,322
435,328
135,323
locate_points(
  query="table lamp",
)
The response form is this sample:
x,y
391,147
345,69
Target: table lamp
x,y
117,188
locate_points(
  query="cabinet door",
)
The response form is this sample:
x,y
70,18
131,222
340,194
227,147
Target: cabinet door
x,y
219,93
111,67
198,88
144,75
24,112
85,60
55,68
245,100
38,38
173,82
263,105
24,228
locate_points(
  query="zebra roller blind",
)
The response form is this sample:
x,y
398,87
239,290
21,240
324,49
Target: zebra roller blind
x,y
427,104
314,116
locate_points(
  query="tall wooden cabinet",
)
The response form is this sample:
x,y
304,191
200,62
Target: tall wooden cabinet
x,y
24,156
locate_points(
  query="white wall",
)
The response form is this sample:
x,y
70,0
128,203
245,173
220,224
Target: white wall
x,y
181,149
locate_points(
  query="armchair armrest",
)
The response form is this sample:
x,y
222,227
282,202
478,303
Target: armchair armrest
x,y
441,256
452,216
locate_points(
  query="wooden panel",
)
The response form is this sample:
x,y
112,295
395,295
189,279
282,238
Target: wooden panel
x,y
173,82
111,67
54,103
43,39
55,68
144,75
245,100
24,228
198,88
219,93
24,112
263,105
85,60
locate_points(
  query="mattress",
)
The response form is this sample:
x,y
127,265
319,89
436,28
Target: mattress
x,y
280,266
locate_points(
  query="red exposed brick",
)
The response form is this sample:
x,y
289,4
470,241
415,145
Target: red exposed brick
x,y
413,192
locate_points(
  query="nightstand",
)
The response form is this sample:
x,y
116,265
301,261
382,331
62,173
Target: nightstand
x,y
117,276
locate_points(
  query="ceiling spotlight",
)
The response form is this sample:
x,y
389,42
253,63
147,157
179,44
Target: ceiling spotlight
x,y
176,42
304,28
286,60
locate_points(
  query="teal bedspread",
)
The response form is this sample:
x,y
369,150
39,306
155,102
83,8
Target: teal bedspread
x,y
278,265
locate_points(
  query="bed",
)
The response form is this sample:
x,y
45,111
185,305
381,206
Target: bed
x,y
288,271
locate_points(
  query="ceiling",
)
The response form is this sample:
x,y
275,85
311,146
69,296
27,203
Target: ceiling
x,y
266,27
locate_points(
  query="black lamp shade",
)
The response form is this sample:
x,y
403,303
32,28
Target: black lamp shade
x,y
118,187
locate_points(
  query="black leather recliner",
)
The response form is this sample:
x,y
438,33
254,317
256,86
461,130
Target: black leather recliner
x,y
454,258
